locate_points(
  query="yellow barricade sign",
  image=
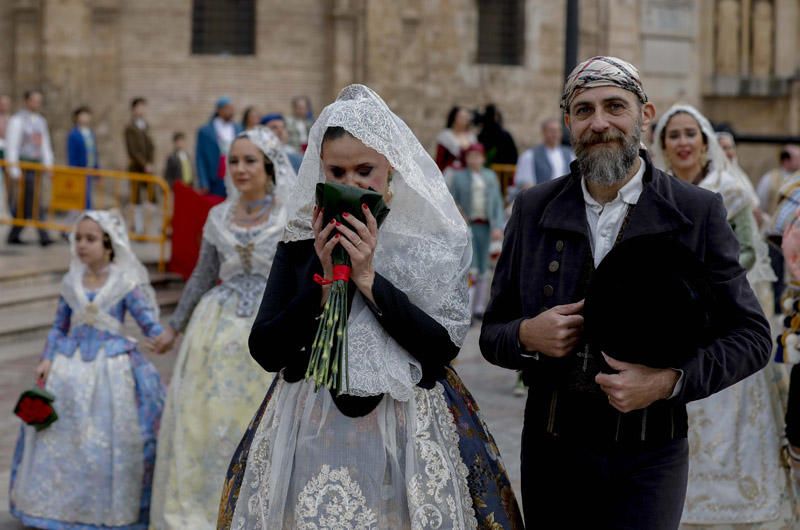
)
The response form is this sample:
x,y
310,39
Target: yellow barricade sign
x,y
69,192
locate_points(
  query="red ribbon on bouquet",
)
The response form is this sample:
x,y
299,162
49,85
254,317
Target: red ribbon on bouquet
x,y
340,272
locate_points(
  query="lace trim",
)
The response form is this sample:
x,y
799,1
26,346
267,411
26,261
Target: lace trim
x,y
443,465
339,498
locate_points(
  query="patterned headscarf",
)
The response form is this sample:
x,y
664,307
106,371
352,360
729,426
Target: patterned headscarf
x,y
602,71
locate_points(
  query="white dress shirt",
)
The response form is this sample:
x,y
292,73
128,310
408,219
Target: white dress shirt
x,y
226,134
556,159
605,220
24,127
478,210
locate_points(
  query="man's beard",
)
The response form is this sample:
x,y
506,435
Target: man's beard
x,y
610,163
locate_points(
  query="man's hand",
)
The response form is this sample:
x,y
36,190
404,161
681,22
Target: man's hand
x,y
555,332
636,386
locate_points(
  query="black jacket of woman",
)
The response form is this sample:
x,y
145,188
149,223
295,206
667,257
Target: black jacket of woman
x,y
287,321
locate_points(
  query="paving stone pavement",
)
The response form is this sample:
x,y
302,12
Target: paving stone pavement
x,y
491,387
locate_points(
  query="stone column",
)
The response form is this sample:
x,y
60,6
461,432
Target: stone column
x,y
727,43
27,70
763,39
349,43
787,37
66,26
105,83
746,38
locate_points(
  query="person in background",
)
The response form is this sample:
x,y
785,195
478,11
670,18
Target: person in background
x,y
498,142
250,118
5,114
546,161
82,146
777,192
28,140
476,191
141,153
772,181
299,123
213,141
453,140
179,166
276,123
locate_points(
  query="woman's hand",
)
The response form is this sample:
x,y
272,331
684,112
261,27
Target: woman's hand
x,y
163,342
43,370
323,245
360,241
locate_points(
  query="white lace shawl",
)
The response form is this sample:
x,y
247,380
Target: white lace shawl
x,y
125,274
235,258
423,245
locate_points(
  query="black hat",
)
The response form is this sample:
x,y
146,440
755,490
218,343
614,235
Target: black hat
x,y
649,302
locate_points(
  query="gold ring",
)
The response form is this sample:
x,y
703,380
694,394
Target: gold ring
x,y
359,242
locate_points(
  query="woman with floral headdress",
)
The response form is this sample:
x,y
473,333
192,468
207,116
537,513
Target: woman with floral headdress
x,y
736,475
93,467
403,446
216,386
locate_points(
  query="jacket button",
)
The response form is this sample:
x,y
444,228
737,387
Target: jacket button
x,y
554,265
559,246
548,290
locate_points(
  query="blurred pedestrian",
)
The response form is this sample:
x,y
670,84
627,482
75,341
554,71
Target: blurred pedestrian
x,y
546,161
451,142
276,123
178,167
28,140
213,142
141,153
498,142
251,117
82,146
299,123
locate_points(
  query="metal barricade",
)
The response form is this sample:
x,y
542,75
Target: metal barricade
x,y
68,191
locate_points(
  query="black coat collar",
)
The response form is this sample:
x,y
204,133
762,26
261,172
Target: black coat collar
x,y
655,213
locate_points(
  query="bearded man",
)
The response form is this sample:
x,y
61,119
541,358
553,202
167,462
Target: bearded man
x,y
609,450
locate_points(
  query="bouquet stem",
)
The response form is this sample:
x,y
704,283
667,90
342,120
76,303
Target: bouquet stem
x,y
328,364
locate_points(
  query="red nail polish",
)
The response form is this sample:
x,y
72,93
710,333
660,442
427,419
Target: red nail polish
x,y
338,224
365,206
345,214
333,221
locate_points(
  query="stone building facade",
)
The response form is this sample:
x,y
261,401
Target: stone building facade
x,y
737,60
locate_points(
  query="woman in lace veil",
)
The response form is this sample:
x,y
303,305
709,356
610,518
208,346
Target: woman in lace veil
x,y
735,471
404,446
216,386
92,468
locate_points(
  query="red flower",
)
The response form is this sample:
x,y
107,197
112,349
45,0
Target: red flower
x,y
33,411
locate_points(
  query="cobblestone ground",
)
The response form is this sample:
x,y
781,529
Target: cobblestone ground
x,y
491,387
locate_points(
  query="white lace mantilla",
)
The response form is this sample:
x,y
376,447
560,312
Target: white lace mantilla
x,y
311,467
424,248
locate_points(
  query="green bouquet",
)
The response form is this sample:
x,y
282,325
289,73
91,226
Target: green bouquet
x,y
328,364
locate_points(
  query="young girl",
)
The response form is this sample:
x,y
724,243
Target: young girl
x,y
93,467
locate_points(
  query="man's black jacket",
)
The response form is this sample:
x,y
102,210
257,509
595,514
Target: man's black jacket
x,y
544,264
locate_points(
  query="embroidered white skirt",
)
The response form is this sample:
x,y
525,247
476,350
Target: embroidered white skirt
x,y
88,466
312,467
